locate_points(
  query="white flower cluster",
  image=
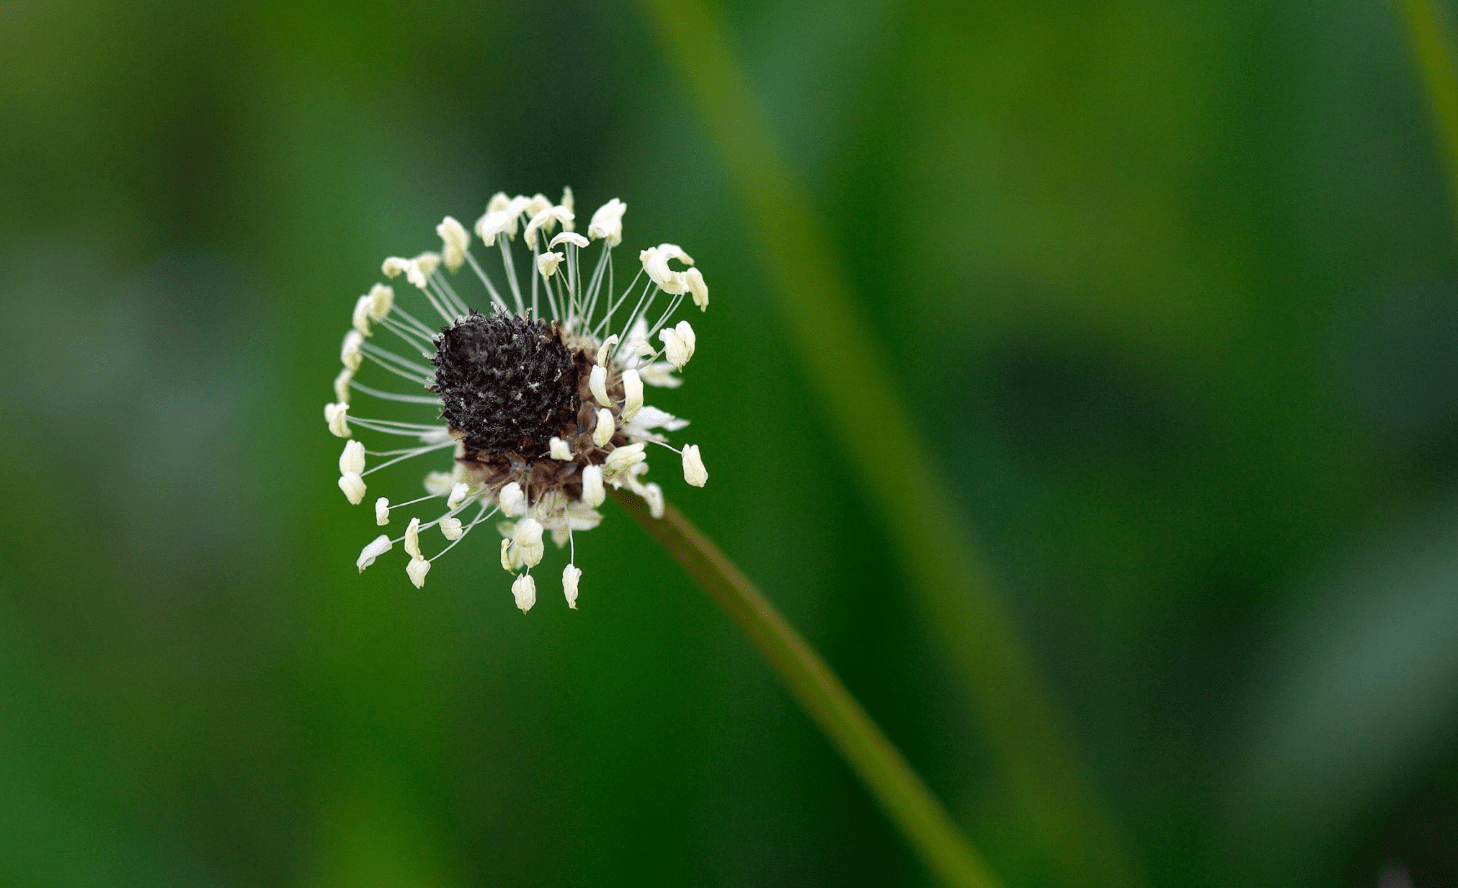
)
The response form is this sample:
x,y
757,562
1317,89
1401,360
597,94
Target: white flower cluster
x,y
606,427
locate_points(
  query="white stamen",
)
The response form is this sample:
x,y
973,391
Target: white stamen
x,y
412,538
655,263
341,385
569,237
606,349
438,483
450,528
337,416
653,495
570,577
623,458
512,500
597,383
537,204
377,547
458,495
455,241
352,460
494,223
651,417
605,428
593,492
349,352
559,449
545,219
633,395
693,467
354,488
382,511
528,539
421,268
607,223
417,569
361,318
524,590
382,299
660,375
547,264
696,285
678,343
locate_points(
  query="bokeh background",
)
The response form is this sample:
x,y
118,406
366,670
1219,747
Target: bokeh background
x,y
1168,289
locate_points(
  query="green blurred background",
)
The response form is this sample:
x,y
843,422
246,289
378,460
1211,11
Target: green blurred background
x,y
1169,289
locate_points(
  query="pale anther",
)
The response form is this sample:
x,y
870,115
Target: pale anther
x,y
545,219
693,467
633,395
661,375
457,495
605,428
528,539
606,349
352,460
421,268
455,240
537,204
354,488
569,237
416,570
512,500
678,344
623,458
341,385
597,384
350,351
360,320
607,222
547,264
593,492
438,483
524,590
412,538
337,415
571,574
382,299
696,285
377,547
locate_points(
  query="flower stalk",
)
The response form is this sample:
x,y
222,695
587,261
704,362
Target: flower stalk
x,y
947,575
900,791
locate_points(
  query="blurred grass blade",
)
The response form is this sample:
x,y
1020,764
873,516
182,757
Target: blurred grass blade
x,y
918,814
946,573
1432,50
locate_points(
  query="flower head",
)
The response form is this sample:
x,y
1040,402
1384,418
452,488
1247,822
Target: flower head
x,y
535,388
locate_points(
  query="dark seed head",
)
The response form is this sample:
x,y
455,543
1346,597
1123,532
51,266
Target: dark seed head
x,y
507,383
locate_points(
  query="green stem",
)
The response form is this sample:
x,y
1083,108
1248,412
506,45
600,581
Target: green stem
x,y
918,814
947,575
1433,52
